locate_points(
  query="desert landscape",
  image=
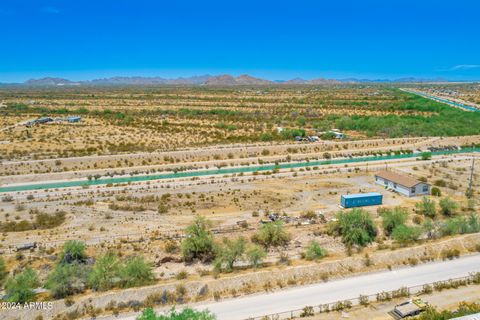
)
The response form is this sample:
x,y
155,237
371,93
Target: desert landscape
x,y
197,194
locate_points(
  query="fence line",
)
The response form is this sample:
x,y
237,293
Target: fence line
x,y
366,299
174,234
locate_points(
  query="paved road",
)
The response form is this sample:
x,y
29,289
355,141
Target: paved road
x,y
259,305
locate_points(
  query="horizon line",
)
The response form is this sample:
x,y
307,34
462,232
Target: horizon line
x,y
237,74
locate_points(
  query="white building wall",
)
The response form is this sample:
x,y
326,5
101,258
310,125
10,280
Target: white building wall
x,y
404,190
419,189
422,189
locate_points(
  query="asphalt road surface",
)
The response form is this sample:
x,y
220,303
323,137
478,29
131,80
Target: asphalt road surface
x,y
297,298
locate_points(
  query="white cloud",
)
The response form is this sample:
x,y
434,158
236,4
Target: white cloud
x,y
465,66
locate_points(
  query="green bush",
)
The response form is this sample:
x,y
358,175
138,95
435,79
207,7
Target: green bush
x,y
436,192
404,234
392,218
292,133
198,243
307,312
73,251
426,155
42,221
67,279
430,228
461,225
3,271
228,252
315,251
356,227
185,314
49,221
448,207
440,183
266,137
427,207
20,288
136,272
328,135
255,255
105,273
272,234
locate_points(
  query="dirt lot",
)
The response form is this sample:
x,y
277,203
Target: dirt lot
x,y
117,215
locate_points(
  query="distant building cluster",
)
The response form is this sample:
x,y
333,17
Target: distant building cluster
x,y
319,135
45,120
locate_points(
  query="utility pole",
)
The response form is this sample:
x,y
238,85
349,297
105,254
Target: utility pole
x,y
470,184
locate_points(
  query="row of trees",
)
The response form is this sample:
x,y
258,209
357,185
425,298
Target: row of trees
x,y
357,228
428,207
395,126
199,244
74,273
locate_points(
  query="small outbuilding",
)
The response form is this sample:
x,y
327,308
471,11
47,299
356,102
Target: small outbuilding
x,y
361,200
402,184
44,120
74,119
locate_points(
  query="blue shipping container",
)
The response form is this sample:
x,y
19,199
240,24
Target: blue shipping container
x,y
361,200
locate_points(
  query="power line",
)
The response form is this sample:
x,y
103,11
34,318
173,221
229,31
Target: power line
x,y
470,184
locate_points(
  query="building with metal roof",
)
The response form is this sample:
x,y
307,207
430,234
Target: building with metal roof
x,y
402,184
74,119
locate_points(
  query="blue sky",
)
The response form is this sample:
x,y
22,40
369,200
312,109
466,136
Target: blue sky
x,y
85,39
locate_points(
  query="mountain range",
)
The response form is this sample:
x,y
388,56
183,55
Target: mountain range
x,y
209,80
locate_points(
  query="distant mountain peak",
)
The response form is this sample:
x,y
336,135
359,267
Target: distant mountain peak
x,y
228,80
50,81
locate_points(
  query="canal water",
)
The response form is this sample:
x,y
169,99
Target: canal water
x,y
220,171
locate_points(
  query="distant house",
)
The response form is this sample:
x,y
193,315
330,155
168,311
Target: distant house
x,y
26,246
334,133
44,120
338,135
402,184
74,119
